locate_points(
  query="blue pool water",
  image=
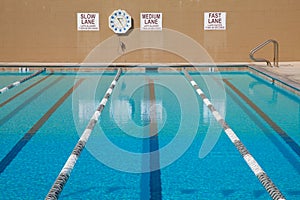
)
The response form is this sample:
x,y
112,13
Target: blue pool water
x,y
184,127
7,78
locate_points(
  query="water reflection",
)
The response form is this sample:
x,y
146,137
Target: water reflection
x,y
274,97
124,110
219,105
86,110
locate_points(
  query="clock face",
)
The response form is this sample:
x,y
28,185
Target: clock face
x,y
119,21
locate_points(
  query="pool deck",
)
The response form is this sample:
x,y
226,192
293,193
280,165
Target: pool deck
x,y
287,72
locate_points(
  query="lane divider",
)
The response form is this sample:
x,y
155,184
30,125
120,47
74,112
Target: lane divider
x,y
21,81
65,173
268,184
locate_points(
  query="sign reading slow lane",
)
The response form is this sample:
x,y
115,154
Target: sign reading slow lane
x,y
151,21
215,21
88,21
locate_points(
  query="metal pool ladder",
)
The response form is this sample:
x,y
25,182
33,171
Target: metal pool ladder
x,y
260,46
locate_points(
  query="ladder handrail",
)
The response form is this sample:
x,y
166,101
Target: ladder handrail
x,y
260,46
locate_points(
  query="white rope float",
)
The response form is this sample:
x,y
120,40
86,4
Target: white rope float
x,y
252,163
64,174
21,81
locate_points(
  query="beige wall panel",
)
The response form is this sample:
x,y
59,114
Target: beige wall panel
x,y
46,31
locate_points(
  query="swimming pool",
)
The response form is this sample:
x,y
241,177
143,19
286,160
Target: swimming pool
x,y
41,125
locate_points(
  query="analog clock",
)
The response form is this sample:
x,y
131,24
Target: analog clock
x,y
119,21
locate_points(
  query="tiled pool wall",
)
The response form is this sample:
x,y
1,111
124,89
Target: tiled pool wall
x,y
160,68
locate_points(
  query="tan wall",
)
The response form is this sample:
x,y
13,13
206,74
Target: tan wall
x,y
46,31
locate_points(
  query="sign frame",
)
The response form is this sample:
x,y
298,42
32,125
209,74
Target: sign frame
x,y
151,21
88,21
215,21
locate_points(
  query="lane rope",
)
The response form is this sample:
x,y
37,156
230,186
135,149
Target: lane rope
x,y
268,184
26,89
65,173
21,81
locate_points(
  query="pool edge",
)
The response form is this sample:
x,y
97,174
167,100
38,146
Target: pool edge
x,y
279,79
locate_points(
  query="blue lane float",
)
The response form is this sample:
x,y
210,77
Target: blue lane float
x,y
65,173
268,184
21,81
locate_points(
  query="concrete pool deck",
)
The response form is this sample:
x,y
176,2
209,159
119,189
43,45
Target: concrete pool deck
x,y
287,72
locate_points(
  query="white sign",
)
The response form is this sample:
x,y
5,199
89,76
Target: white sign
x,y
88,21
151,21
215,21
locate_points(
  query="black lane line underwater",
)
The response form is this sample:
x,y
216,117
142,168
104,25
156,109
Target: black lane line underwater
x,y
294,146
26,102
26,138
155,178
282,148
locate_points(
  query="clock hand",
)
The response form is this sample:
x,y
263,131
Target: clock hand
x,y
119,19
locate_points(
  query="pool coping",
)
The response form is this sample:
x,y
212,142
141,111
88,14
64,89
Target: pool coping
x,y
276,79
281,78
